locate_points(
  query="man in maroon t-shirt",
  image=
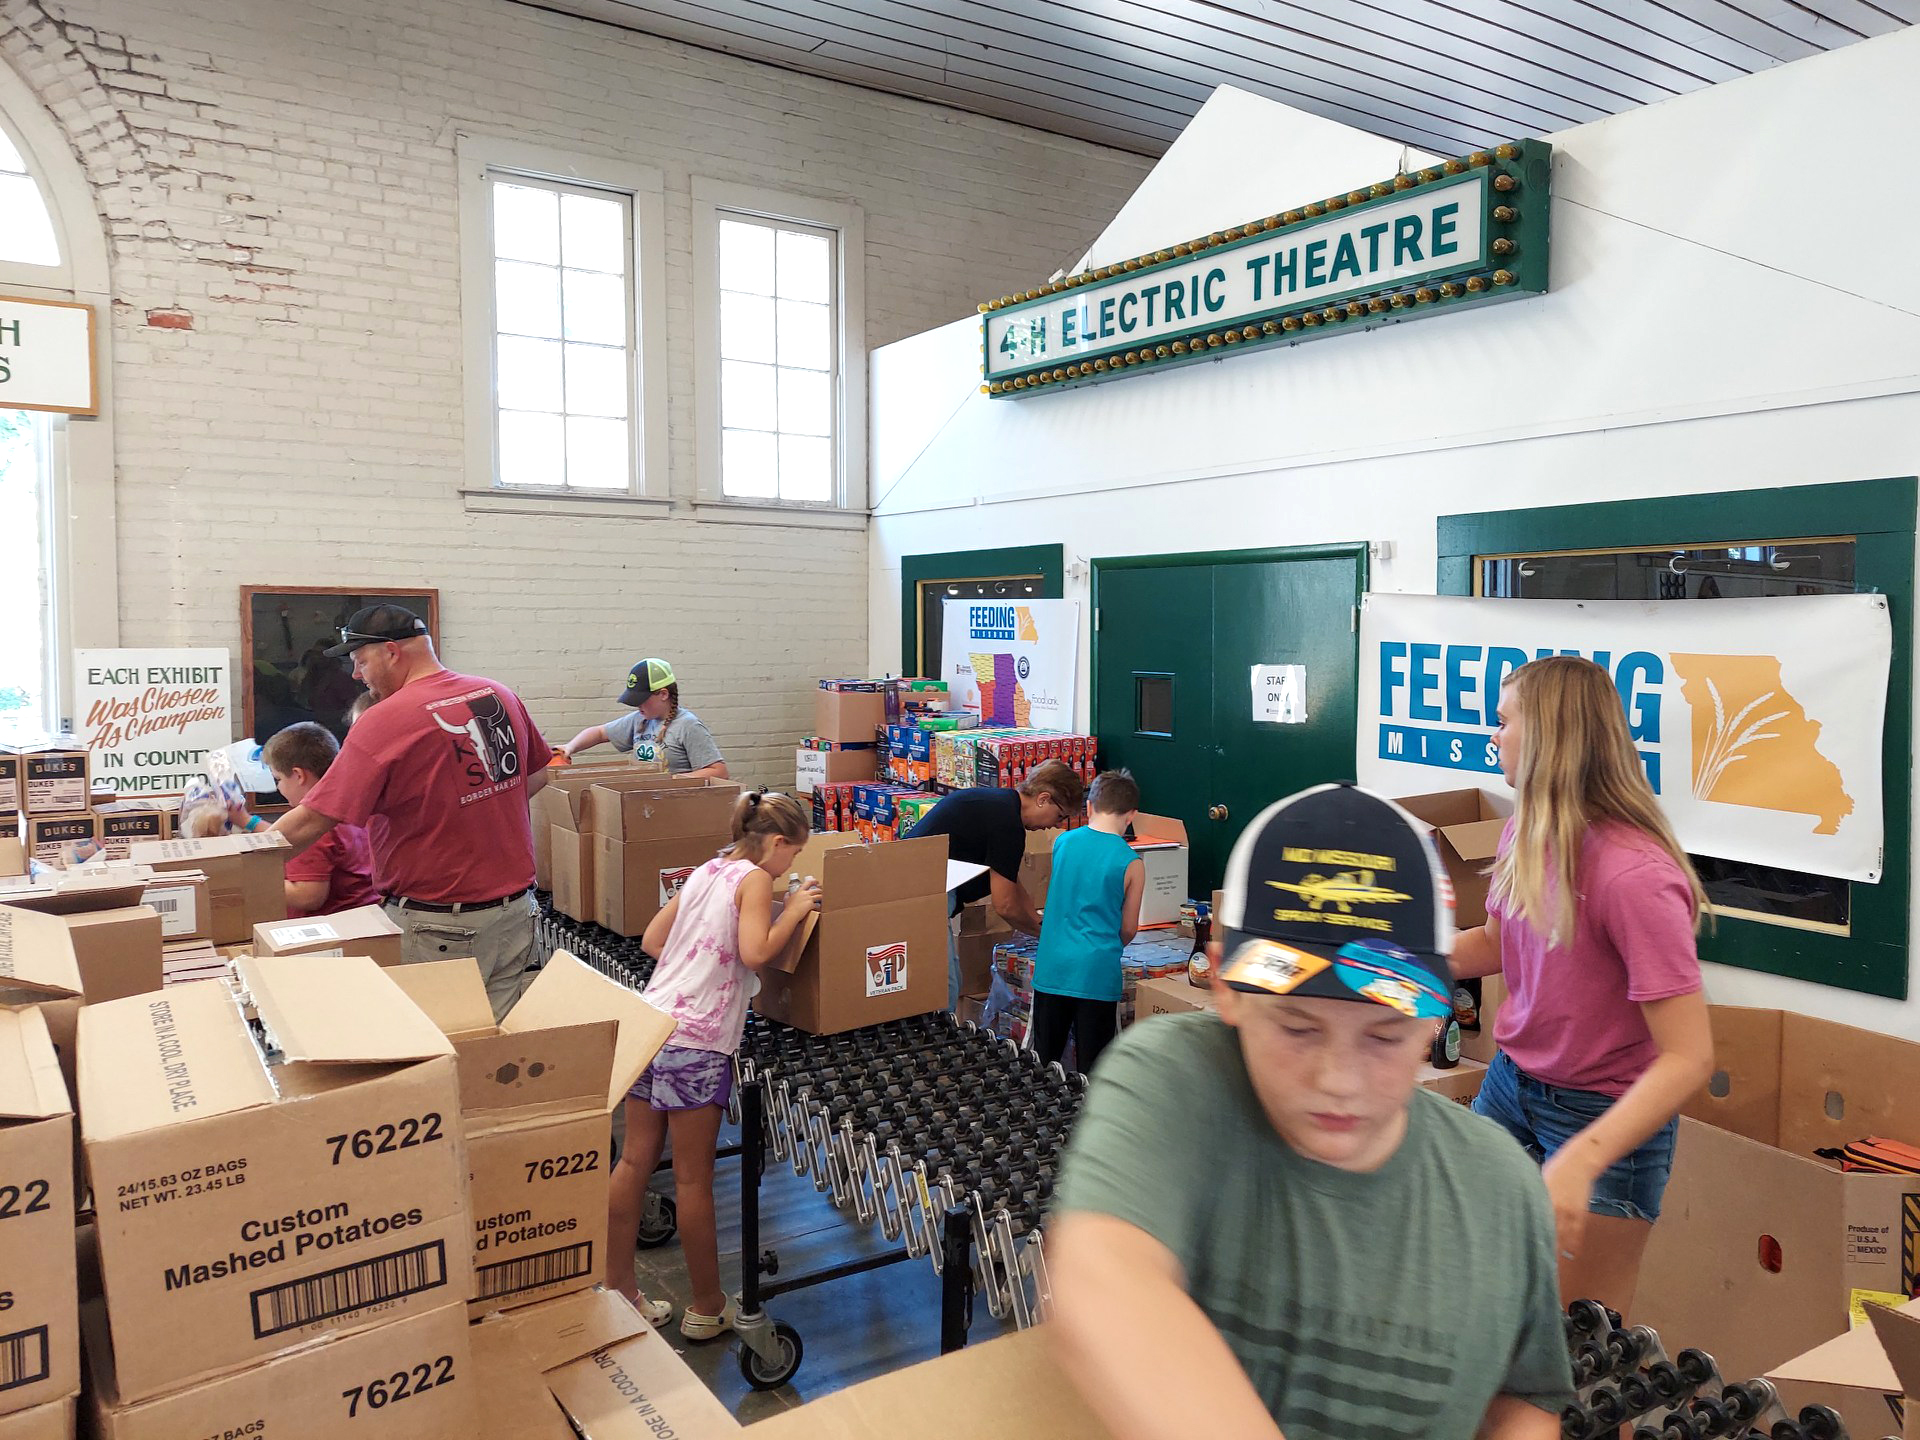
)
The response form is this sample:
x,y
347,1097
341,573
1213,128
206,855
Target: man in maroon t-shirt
x,y
446,763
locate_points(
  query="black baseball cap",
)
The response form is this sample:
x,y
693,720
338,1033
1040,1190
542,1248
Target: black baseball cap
x,y
1337,893
376,625
644,679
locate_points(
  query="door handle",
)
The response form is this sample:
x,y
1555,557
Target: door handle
x,y
1217,812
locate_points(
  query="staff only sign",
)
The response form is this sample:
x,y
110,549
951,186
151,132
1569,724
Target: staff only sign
x,y
1759,721
1467,232
1011,662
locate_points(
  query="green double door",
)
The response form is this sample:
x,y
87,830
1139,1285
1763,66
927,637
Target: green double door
x,y
1176,641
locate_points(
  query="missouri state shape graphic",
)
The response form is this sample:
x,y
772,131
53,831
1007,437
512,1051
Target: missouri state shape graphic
x,y
1753,743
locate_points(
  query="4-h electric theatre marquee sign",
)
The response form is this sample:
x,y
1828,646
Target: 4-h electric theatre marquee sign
x,y
1464,233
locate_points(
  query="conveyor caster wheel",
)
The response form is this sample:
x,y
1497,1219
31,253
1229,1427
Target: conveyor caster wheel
x,y
659,1222
771,1375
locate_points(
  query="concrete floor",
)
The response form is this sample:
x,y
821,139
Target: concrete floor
x,y
851,1329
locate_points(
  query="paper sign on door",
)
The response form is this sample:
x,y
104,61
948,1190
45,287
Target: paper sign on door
x,y
1279,694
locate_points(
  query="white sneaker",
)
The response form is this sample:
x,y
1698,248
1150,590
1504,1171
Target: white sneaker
x,y
696,1326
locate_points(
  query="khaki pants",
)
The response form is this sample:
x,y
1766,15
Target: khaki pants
x,y
499,937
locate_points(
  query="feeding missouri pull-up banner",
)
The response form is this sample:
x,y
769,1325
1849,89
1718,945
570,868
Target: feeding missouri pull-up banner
x,y
1760,722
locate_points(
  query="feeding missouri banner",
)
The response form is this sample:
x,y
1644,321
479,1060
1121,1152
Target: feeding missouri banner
x,y
1760,722
1011,661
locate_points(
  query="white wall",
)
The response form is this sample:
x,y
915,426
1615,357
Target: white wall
x,y
278,186
1732,306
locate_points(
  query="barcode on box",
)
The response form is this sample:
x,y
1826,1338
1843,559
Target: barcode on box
x,y
289,1306
530,1272
179,912
165,904
301,934
23,1357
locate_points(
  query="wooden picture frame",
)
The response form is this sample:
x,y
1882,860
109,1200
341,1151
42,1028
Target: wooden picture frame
x,y
280,627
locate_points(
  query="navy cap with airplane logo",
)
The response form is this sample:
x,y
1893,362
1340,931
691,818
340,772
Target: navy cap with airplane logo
x,y
1337,893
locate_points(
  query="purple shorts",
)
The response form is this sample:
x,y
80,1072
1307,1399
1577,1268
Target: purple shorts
x,y
682,1079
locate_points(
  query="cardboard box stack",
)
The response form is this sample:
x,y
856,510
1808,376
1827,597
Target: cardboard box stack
x,y
867,730
282,1227
1870,1375
877,950
366,930
40,1349
245,874
47,784
1466,830
561,803
648,834
537,1092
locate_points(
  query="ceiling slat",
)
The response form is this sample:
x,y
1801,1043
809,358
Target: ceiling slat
x,y
1678,28
1756,34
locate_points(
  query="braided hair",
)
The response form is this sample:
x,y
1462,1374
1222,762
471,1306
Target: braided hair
x,y
673,713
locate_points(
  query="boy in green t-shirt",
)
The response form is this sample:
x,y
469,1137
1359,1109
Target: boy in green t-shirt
x,y
1313,1246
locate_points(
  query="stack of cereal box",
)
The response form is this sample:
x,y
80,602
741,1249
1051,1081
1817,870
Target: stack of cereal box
x,y
47,782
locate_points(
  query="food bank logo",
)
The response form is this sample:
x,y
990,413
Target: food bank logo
x,y
886,969
1752,741
1002,622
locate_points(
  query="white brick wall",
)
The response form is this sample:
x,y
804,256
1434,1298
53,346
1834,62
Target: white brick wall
x,y
277,181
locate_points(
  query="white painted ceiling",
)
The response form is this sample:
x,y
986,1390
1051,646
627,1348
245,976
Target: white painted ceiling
x,y
1441,75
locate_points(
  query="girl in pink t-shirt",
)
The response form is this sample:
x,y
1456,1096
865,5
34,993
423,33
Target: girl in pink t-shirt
x,y
710,939
1591,921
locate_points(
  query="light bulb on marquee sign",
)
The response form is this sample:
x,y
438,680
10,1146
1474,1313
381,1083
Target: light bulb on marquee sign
x,y
1469,232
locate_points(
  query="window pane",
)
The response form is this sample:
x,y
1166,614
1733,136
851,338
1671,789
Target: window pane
x,y
597,454
27,234
806,402
746,327
531,450
806,468
746,396
526,298
806,339
806,268
10,157
526,223
746,258
596,307
593,234
596,380
529,374
749,464
25,705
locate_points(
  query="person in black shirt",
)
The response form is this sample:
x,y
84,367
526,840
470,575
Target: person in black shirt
x,y
989,827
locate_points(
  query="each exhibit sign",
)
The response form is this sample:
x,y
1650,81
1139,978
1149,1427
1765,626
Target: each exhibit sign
x,y
152,718
46,356
1760,722
1464,233
1011,662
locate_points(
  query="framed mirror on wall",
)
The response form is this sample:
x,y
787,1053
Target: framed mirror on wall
x,y
286,676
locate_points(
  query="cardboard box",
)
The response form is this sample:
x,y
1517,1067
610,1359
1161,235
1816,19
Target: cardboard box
x,y
586,1364
831,767
246,1209
1460,1083
412,1380
185,960
560,802
1762,1248
124,825
536,1094
1161,843
981,928
878,948
54,776
1857,1375
184,901
10,799
61,840
976,1393
1466,828
40,1326
648,840
1478,1044
1171,995
848,714
52,1421
246,877
364,930
116,950
572,874
13,855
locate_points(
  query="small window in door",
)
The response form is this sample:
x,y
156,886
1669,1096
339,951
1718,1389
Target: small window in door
x,y
1742,569
1153,705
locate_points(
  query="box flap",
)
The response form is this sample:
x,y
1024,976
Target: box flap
x,y
31,1086
112,886
166,1058
1453,807
214,847
788,960
569,992
812,859
859,875
561,1070
1475,839
451,993
36,953
554,1332
1151,830
662,812
339,1012
639,1389
1899,1332
363,922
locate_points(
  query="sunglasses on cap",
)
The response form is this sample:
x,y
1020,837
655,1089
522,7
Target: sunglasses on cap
x,y
353,637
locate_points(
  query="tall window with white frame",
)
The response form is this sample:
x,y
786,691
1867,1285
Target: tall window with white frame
x,y
563,344
779,361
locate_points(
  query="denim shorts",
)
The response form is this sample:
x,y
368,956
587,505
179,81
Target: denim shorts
x,y
1544,1117
683,1079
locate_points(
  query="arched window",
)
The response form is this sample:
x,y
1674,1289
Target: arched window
x,y
27,235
